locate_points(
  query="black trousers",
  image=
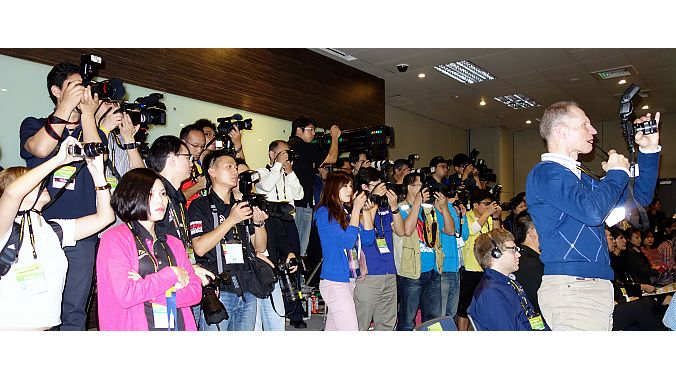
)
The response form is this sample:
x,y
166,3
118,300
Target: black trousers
x,y
640,315
81,259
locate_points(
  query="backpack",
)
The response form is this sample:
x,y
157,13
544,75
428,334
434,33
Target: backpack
x,y
10,251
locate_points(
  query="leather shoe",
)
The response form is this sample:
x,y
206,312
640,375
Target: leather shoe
x,y
299,324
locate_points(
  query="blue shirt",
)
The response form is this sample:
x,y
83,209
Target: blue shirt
x,y
335,240
72,204
381,263
449,243
427,255
497,306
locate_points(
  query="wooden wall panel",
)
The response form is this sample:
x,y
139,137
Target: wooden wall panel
x,y
283,83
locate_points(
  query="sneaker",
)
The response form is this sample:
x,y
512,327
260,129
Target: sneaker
x,y
299,324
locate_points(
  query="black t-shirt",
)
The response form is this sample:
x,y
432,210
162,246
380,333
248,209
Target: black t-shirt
x,y
72,204
202,221
175,222
530,273
310,159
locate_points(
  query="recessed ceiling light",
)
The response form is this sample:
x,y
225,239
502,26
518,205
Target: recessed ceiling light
x,y
622,81
181,125
528,121
482,102
645,107
260,139
3,89
421,75
517,101
465,72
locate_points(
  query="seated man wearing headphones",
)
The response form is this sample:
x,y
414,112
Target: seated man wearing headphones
x,y
499,302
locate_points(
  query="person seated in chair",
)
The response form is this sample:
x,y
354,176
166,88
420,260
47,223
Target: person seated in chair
x,y
499,302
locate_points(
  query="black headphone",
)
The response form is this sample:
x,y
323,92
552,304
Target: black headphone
x,y
495,251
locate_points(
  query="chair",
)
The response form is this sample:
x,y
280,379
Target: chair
x,y
437,324
472,322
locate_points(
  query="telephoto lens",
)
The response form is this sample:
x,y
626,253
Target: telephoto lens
x,y
88,150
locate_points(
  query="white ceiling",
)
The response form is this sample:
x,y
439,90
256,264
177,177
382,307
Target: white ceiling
x,y
546,75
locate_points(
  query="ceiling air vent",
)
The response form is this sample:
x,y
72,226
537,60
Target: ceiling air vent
x,y
338,53
615,73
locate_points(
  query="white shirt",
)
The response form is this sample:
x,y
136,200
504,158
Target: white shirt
x,y
279,186
19,310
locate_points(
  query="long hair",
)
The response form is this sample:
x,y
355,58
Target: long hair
x,y
331,196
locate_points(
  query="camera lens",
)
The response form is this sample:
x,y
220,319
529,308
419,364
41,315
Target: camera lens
x,y
647,127
94,149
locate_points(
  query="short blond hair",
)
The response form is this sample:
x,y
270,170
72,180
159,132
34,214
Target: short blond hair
x,y
553,115
10,175
483,245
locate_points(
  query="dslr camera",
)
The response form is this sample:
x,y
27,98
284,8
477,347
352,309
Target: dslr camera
x,y
279,210
485,173
629,129
92,149
213,309
293,156
290,287
112,89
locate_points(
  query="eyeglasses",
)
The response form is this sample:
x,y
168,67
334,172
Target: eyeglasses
x,y
311,129
513,249
486,203
196,145
190,156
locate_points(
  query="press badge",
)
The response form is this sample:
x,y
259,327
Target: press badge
x,y
160,317
233,253
191,254
382,245
112,181
62,175
31,279
536,323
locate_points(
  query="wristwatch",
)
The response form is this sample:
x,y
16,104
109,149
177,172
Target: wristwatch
x,y
133,145
104,187
259,225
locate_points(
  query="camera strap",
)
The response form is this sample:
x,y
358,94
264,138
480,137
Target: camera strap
x,y
639,221
219,252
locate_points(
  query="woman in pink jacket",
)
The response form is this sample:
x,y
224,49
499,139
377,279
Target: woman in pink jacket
x,y
145,280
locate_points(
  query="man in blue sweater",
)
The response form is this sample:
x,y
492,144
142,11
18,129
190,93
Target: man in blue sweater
x,y
569,208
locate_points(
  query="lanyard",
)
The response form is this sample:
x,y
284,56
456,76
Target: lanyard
x,y
26,220
143,249
530,313
180,224
283,188
382,227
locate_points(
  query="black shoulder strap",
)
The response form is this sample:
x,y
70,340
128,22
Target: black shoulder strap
x,y
10,251
57,229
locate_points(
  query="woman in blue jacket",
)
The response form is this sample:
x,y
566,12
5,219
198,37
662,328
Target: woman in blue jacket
x,y
342,233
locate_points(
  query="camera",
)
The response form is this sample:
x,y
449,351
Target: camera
x,y
88,150
376,140
382,165
485,173
402,67
412,158
290,288
145,111
213,309
378,200
226,124
398,189
112,89
629,129
279,210
293,156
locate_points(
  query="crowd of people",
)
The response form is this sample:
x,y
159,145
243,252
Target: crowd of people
x,y
188,237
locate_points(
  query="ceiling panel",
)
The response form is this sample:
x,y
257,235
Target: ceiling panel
x,y
502,64
544,58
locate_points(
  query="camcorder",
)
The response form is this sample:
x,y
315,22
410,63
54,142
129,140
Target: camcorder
x,y
279,210
112,89
90,150
629,129
227,124
373,139
290,287
146,110
485,173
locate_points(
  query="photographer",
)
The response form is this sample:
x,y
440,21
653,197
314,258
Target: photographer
x,y
439,169
375,295
359,159
31,289
209,129
482,218
194,138
303,132
235,240
400,169
119,130
421,256
569,208
516,206
452,245
465,173
74,115
279,183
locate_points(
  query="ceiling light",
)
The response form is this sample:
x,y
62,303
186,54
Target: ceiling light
x,y
517,101
482,102
3,89
622,81
465,72
421,75
181,125
645,107
528,121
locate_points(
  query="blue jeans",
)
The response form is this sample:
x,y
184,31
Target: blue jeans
x,y
242,312
450,293
424,292
266,317
303,219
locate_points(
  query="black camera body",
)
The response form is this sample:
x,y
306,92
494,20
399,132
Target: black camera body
x,y
147,110
290,287
112,89
293,156
629,129
226,124
378,200
412,158
280,210
92,149
485,173
213,309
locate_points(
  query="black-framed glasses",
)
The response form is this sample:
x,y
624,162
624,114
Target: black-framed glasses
x,y
190,156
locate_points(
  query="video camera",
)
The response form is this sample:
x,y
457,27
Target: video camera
x,y
146,110
279,210
112,89
629,129
226,124
374,139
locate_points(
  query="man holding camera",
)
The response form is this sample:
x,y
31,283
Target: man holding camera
x,y
359,159
439,169
311,158
194,138
568,208
400,169
466,174
217,230
74,115
279,183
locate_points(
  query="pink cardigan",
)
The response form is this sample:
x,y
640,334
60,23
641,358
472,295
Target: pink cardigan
x,y
120,299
